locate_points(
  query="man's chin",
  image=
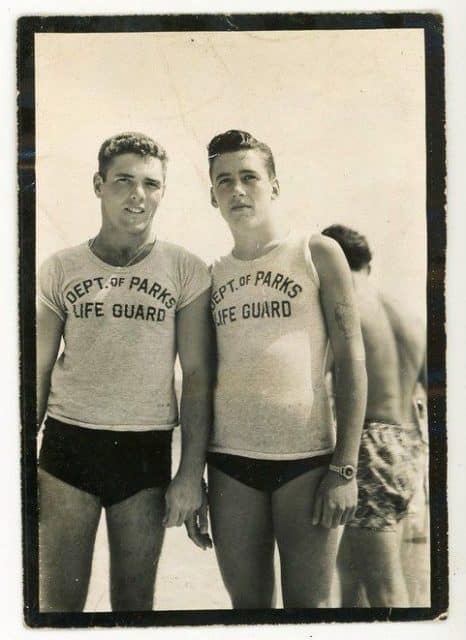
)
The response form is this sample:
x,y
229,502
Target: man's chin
x,y
137,227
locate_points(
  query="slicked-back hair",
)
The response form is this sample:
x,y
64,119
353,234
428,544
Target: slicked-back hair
x,y
130,142
237,140
354,245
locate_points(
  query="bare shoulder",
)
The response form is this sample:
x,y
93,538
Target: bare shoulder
x,y
327,254
323,245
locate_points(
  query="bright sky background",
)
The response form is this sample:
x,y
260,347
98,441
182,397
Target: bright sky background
x,y
342,110
454,13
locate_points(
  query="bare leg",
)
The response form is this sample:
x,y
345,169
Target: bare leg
x,y
376,558
68,520
352,589
135,536
415,559
307,552
242,529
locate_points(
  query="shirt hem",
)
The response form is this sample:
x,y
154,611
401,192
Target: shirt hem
x,y
260,455
114,427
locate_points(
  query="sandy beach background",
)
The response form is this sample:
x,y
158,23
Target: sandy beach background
x,y
188,578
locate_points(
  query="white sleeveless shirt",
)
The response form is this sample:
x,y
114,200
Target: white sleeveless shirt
x,y
271,400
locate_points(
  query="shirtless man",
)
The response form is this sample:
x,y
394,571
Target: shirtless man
x,y
276,473
125,304
391,447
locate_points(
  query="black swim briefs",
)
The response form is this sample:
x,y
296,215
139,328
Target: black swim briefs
x,y
264,475
112,465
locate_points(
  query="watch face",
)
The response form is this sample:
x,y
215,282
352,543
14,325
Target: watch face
x,y
348,472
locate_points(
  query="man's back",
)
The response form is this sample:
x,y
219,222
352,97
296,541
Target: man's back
x,y
395,348
382,361
409,334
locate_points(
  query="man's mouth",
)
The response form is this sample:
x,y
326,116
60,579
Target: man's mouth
x,y
236,207
135,209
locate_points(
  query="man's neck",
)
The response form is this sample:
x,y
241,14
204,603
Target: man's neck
x,y
361,277
119,250
255,244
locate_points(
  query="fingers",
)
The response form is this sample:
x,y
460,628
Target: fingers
x,y
200,539
333,515
337,517
349,515
177,509
327,515
174,516
203,518
171,516
193,532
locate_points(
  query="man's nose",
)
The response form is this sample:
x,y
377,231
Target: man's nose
x,y
238,188
137,192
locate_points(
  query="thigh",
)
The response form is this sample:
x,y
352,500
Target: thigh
x,y
68,520
135,535
242,530
307,552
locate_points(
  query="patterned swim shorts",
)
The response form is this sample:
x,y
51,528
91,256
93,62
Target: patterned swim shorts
x,y
390,461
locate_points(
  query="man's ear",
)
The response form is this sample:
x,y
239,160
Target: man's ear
x,y
275,188
98,180
213,199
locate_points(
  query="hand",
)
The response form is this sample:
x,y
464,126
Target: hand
x,y
197,525
182,500
335,501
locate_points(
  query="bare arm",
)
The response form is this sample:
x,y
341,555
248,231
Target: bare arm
x,y
49,333
342,319
195,348
195,342
343,324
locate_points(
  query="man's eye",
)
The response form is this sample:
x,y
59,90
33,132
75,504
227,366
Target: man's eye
x,y
250,177
122,180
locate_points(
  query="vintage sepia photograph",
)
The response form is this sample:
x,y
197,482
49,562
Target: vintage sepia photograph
x,y
232,235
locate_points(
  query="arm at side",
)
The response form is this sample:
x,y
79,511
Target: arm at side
x,y
195,340
343,324
49,334
195,348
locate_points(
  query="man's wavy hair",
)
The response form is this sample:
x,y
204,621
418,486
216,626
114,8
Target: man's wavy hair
x,y
237,140
354,245
130,142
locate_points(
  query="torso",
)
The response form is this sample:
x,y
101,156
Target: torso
x,y
410,340
392,367
116,371
271,400
383,386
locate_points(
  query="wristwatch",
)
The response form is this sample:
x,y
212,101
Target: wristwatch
x,y
347,471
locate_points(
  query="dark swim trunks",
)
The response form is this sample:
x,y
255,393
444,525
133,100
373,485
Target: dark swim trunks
x,y
390,459
112,465
264,475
